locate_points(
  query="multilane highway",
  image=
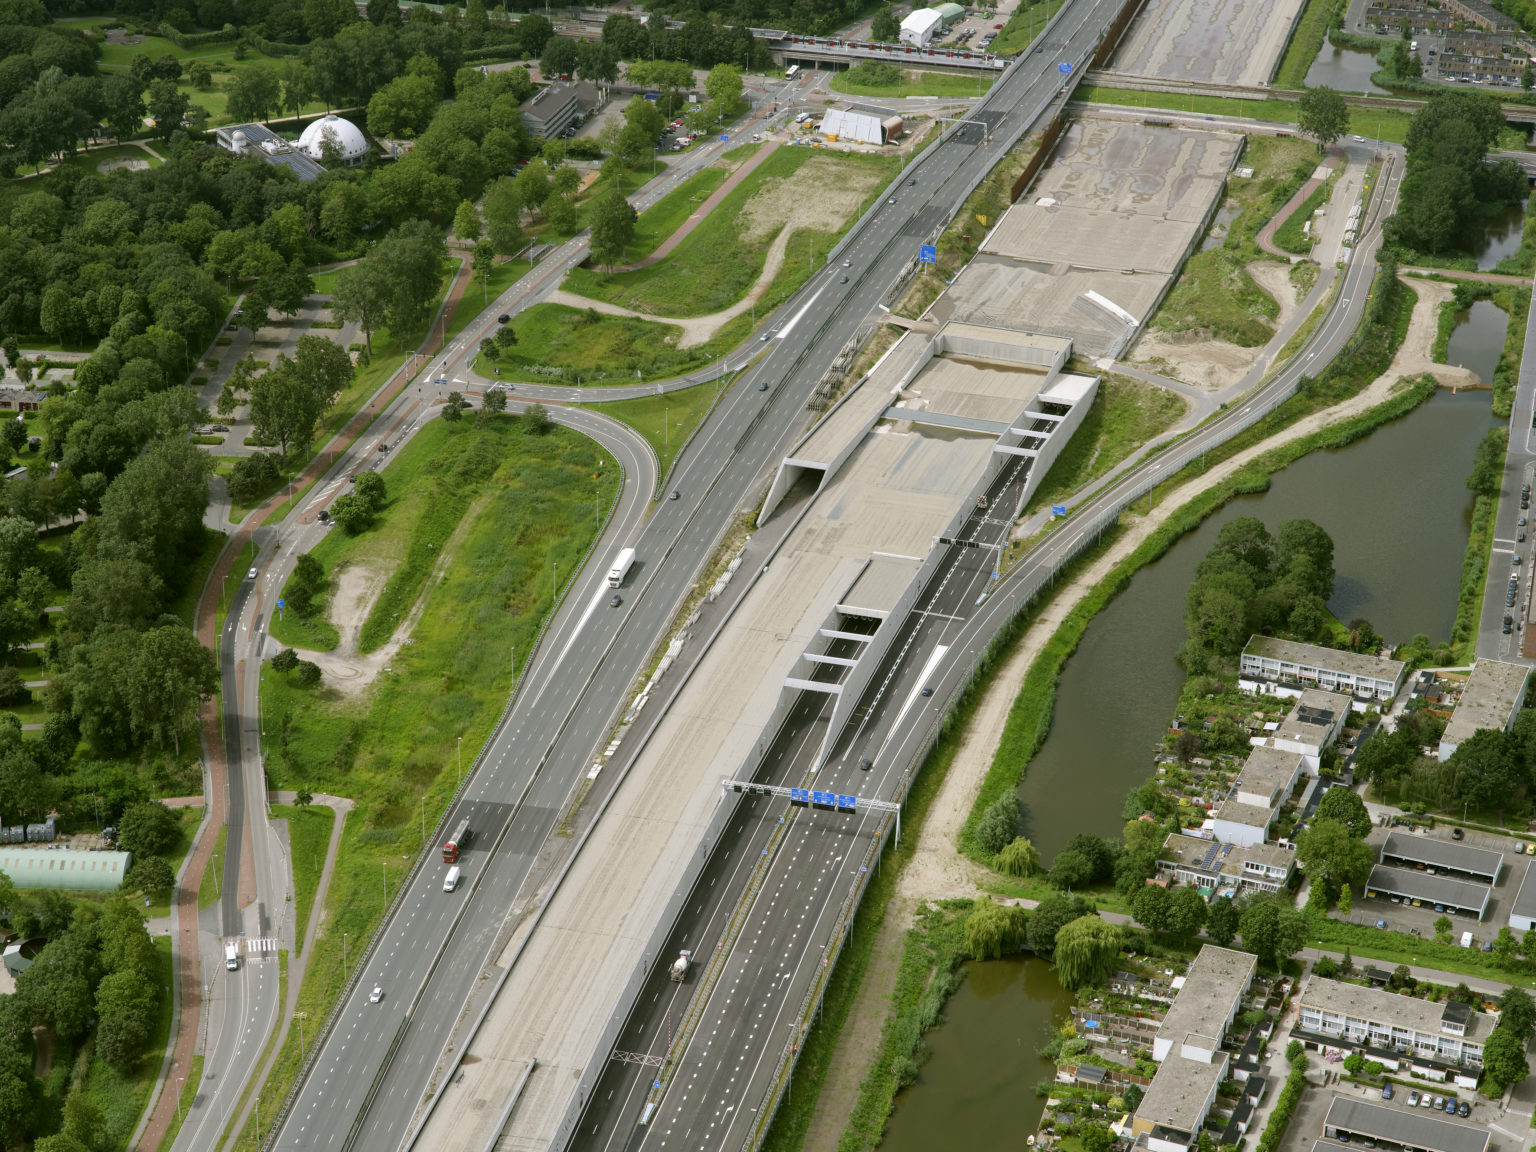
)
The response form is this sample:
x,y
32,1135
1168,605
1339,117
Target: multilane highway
x,y
574,689
723,1084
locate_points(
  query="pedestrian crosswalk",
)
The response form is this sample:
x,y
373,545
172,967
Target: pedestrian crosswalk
x,y
260,946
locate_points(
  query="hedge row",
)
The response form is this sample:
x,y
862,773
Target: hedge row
x,y
1290,1096
225,35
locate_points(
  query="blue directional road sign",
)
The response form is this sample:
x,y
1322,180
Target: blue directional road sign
x,y
1064,67
800,796
847,803
823,799
1058,509
725,139
928,253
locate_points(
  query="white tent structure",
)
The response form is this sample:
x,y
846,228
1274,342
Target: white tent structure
x,y
852,126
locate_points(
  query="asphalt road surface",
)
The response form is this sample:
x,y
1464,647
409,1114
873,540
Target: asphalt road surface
x,y
725,1075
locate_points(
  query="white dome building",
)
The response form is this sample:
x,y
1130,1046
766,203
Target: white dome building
x,y
345,137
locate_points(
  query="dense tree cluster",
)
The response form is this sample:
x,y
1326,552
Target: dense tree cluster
x,y
1447,188
1253,582
97,978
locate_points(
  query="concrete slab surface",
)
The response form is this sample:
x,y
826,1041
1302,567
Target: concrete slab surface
x,y
977,389
1219,41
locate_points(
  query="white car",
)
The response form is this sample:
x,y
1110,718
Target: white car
x,y
376,995
251,575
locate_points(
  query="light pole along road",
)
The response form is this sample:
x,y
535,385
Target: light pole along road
x,y
571,695
721,1091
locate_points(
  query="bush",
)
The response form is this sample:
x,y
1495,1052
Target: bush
x,y
254,476
872,74
999,824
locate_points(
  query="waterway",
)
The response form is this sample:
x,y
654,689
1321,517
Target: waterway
x,y
1478,339
978,1088
1344,70
1500,237
1398,510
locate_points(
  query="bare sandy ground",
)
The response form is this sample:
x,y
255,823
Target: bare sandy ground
x,y
937,870
1217,364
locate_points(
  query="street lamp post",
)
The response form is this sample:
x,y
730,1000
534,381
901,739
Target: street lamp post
x,y
258,1121
461,753
180,1080
343,957
301,1037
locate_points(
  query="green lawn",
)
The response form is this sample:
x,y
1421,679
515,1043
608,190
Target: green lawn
x,y
90,163
1289,236
325,282
671,212
591,348
915,82
309,833
1124,415
1024,25
666,421
716,264
313,632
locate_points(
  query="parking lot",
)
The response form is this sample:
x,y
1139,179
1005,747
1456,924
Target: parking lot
x,y
1307,1121
1401,917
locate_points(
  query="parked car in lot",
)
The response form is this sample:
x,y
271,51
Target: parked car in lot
x,y
1413,1099
1386,1091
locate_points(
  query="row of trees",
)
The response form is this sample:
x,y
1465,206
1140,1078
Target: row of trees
x,y
1252,582
97,977
1448,189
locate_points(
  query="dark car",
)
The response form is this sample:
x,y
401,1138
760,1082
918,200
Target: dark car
x,y
1457,833
1463,1109
866,764
615,600
912,183
762,385
503,318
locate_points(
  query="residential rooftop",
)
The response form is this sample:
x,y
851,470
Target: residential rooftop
x,y
1210,855
1385,1007
1430,889
1316,656
1488,700
1267,769
1212,987
1253,815
1316,711
1179,1094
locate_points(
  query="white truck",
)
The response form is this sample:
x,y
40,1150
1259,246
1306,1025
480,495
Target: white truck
x,y
231,955
680,966
621,566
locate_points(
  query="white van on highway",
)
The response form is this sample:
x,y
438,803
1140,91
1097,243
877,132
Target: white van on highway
x,y
231,955
451,881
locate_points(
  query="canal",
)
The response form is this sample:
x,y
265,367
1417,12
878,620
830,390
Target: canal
x,y
1344,70
978,1088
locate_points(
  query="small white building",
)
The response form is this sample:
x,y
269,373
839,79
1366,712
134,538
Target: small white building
x,y
1522,913
347,143
919,27
1273,667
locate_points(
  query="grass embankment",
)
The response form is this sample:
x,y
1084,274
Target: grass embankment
x,y
208,891
1386,124
1124,415
557,344
1369,943
1029,718
1027,21
525,503
1290,236
665,421
671,212
1474,572
915,82
962,238
1306,42
812,192
309,833
1214,293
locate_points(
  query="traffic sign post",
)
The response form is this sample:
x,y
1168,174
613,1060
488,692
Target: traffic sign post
x,y
928,254
1065,68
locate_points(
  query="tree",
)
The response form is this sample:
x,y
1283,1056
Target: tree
x,y
309,674
1345,806
412,256
173,676
147,828
1149,905
613,226
558,58
303,798
369,486
503,211
999,824
1018,857
1488,462
1187,913
453,407
1094,1137
1304,558
285,661
560,213
352,513
254,94
597,61
1330,853
1517,1012
994,930
1049,917
1485,770
484,263
1087,951
1323,115
151,874
363,292
1504,1057
1222,921
885,27
403,107
251,477
1271,930
167,107
288,399
536,419
125,1008
723,88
